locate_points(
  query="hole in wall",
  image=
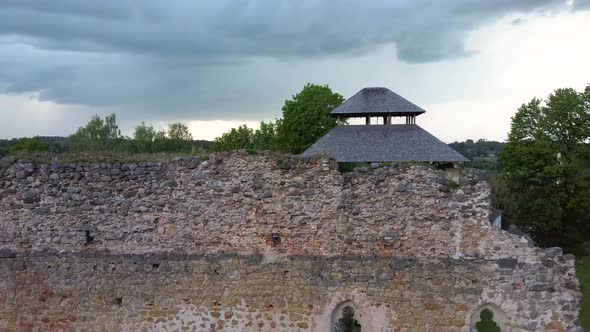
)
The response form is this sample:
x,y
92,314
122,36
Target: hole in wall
x,y
488,318
486,322
347,322
88,237
276,239
119,301
155,266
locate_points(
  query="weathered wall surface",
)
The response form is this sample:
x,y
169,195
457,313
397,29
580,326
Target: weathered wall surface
x,y
189,245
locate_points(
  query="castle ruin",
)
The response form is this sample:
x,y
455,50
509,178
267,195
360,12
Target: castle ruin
x,y
267,243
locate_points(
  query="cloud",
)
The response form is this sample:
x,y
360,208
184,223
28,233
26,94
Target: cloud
x,y
169,59
422,30
581,4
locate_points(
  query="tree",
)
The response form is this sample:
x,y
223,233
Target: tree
x,y
546,168
179,138
147,138
264,138
98,135
235,139
482,153
178,131
33,144
306,117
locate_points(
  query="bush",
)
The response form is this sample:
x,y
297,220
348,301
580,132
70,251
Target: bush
x,y
33,144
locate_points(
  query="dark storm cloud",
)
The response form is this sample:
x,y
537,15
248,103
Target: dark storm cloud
x,y
581,4
422,30
187,55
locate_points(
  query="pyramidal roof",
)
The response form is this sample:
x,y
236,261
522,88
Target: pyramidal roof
x,y
383,143
376,102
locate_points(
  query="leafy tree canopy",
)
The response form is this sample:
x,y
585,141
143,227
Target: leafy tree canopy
x,y
33,144
98,135
179,131
265,137
235,139
306,117
148,139
546,168
482,153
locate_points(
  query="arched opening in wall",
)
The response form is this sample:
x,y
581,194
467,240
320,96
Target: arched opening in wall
x,y
346,318
488,318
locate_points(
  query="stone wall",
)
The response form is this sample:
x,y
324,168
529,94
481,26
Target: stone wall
x,y
265,243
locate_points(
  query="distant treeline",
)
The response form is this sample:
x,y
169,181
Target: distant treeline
x,y
103,135
482,153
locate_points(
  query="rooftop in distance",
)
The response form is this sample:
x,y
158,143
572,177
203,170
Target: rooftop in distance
x,y
376,101
381,143
390,143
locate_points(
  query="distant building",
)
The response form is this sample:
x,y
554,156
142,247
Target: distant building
x,y
381,143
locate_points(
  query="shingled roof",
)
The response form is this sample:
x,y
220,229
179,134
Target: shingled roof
x,y
383,143
376,102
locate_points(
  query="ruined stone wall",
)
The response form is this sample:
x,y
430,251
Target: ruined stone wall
x,y
259,242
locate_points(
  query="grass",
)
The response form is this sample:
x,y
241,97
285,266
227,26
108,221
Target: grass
x,y
583,272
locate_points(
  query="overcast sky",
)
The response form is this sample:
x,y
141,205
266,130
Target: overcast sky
x,y
216,64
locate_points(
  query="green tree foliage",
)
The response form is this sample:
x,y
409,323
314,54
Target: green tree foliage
x,y
235,139
179,138
306,117
33,144
178,131
482,153
98,135
265,137
545,184
481,148
147,139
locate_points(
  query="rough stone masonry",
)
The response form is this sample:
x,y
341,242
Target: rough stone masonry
x,y
244,242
